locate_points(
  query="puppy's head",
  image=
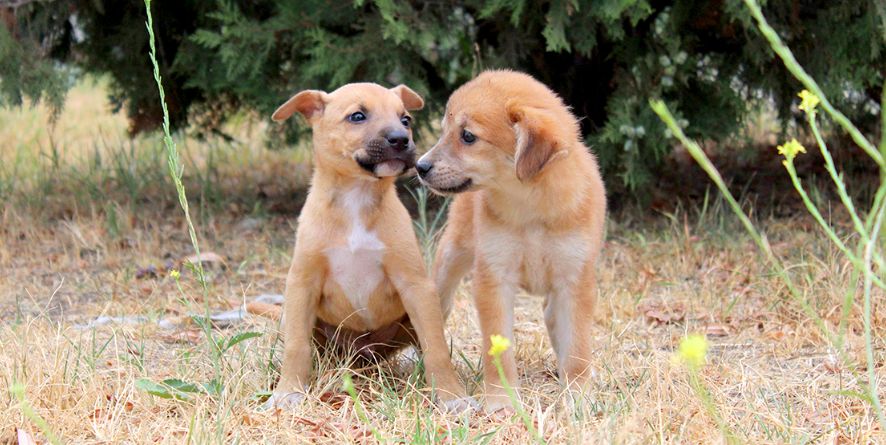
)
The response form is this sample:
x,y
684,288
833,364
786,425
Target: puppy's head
x,y
501,129
360,129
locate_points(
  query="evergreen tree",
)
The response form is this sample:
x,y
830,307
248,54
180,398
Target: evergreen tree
x,y
605,57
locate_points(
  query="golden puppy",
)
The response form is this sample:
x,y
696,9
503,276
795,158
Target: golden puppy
x,y
357,277
530,215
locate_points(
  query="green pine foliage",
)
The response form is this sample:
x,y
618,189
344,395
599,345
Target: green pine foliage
x,y
27,70
704,58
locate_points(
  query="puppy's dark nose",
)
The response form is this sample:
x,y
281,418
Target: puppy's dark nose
x,y
423,167
398,139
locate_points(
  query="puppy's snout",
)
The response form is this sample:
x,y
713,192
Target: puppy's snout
x,y
423,167
398,139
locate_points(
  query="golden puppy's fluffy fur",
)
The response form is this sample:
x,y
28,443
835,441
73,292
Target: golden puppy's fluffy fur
x,y
357,275
530,214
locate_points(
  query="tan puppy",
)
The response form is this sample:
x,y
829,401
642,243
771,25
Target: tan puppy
x,y
532,216
357,277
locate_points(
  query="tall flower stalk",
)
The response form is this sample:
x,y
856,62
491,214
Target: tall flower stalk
x,y
866,257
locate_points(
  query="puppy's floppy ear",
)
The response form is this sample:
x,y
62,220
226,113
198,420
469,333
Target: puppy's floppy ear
x,y
310,103
410,98
537,142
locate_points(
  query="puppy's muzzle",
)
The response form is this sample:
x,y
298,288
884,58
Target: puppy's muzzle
x,y
442,182
388,155
423,168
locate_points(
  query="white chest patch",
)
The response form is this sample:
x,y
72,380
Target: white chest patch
x,y
357,267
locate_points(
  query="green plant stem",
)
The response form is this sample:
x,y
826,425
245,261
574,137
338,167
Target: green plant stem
x,y
860,227
705,163
835,177
172,156
864,264
428,230
18,391
882,11
848,301
878,201
871,245
515,402
794,67
828,230
707,401
175,172
873,225
348,386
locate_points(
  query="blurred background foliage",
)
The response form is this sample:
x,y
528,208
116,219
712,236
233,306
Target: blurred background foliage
x,y
605,57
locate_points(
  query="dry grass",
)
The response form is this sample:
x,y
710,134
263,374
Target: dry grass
x,y
64,261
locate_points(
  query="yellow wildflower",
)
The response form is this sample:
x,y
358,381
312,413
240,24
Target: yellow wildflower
x,y
790,149
499,345
808,101
693,350
175,274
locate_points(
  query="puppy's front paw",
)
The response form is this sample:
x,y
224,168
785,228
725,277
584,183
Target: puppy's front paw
x,y
461,405
500,404
287,401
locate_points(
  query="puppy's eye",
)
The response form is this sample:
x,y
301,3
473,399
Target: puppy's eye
x,y
357,117
406,121
468,137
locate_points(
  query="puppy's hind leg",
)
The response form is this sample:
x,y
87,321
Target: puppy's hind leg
x,y
569,319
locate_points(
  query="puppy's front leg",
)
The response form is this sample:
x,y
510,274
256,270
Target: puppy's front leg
x,y
455,254
299,316
422,304
494,299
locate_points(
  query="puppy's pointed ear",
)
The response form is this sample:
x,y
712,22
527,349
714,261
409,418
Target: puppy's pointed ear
x,y
410,98
537,143
310,103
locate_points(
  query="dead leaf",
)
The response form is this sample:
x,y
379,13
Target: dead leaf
x,y
659,313
24,437
333,399
250,421
146,272
775,335
305,421
716,330
187,336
